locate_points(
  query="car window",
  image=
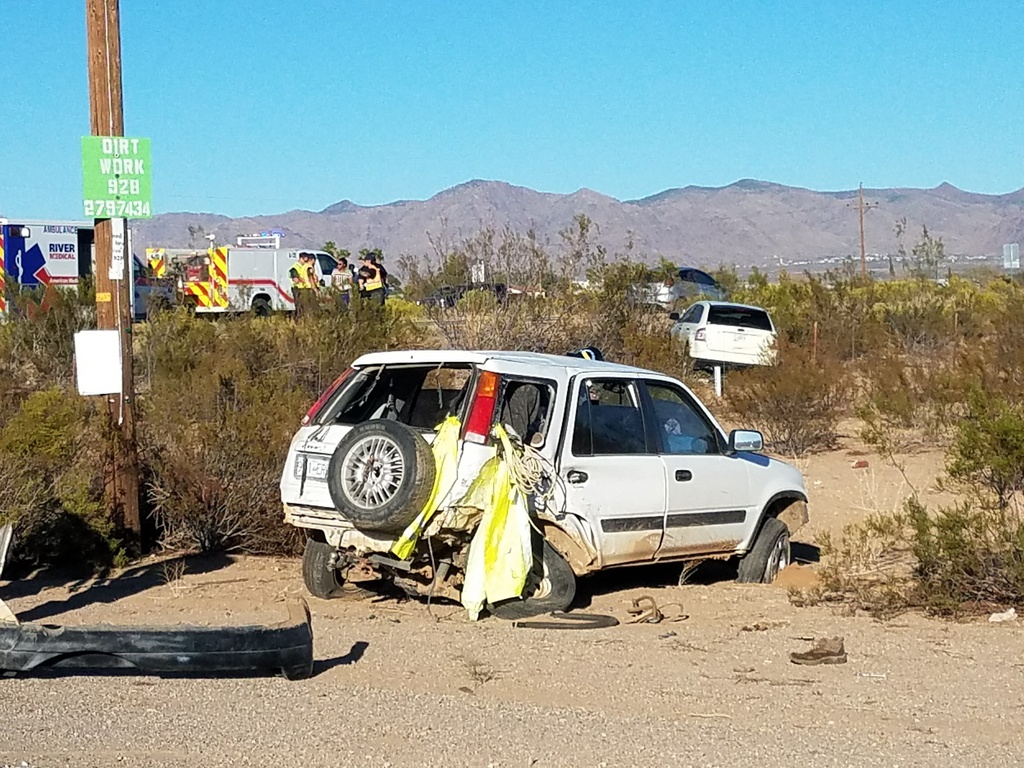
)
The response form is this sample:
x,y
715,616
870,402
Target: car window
x,y
418,395
703,278
609,419
693,314
327,264
739,317
440,394
682,427
526,407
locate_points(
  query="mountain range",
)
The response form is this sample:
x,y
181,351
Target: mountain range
x,y
748,223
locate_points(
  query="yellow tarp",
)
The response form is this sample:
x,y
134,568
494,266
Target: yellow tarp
x,y
446,465
501,552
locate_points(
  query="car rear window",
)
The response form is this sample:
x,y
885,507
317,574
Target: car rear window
x,y
702,279
418,395
739,317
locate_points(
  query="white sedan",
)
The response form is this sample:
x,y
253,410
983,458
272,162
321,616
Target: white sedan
x,y
721,333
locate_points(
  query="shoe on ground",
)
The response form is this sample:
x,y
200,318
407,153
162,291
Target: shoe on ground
x,y
825,651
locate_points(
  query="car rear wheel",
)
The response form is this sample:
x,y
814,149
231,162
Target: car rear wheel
x,y
320,579
769,555
261,306
550,587
381,475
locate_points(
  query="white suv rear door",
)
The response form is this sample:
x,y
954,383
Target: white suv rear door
x,y
614,477
709,498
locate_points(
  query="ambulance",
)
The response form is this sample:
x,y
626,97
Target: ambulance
x,y
38,254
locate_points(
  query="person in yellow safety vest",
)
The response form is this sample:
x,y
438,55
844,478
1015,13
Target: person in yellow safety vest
x,y
304,284
371,279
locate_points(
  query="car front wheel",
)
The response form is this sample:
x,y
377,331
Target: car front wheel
x,y
550,587
769,555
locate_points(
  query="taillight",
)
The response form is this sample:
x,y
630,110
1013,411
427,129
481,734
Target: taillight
x,y
314,411
701,334
481,413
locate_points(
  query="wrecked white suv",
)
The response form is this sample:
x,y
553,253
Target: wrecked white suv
x,y
638,471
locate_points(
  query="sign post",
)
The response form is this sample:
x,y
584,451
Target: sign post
x,y
116,185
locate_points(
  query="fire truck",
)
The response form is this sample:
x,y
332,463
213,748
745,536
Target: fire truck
x,y
251,276
39,254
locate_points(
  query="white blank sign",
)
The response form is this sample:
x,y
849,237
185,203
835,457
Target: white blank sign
x,y
98,362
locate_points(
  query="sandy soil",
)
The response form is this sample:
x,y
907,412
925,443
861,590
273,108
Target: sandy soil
x,y
398,685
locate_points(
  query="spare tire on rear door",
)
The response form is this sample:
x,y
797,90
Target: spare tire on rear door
x,y
381,475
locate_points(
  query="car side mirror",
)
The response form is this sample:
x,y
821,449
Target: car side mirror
x,y
673,316
745,440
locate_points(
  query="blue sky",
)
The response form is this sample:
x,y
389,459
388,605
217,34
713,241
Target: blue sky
x,y
256,109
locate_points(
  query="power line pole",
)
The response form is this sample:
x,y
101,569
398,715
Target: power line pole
x,y
861,207
113,296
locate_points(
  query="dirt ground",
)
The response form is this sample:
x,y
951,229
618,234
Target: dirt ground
x,y
397,684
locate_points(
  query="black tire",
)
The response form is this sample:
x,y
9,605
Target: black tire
x,y
393,505
320,579
261,306
552,577
769,555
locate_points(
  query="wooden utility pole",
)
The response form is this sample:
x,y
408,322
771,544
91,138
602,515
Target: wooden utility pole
x,y
861,207
113,297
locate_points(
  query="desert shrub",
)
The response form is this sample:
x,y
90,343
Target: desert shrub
x,y
961,557
40,333
51,480
906,400
214,443
215,448
870,567
797,403
958,559
968,553
987,451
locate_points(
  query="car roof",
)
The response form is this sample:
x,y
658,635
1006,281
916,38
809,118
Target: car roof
x,y
732,304
573,365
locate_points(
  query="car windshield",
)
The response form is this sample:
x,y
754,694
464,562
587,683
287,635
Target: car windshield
x,y
327,264
739,317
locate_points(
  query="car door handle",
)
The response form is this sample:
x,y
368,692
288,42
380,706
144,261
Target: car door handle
x,y
576,477
682,475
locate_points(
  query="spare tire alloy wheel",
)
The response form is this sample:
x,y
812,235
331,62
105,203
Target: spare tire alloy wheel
x,y
381,475
373,471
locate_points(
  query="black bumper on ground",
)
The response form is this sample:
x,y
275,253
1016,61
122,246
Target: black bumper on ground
x,y
243,650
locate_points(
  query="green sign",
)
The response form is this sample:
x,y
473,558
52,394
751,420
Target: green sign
x,y
116,181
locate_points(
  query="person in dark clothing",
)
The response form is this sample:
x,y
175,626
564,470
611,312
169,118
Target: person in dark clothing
x,y
525,409
371,280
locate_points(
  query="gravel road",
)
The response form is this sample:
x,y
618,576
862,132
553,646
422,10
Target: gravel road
x,y
395,687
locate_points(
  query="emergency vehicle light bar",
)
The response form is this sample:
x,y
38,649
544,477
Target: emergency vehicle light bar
x,y
259,241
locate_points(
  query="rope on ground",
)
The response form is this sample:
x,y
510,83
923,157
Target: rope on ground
x,y
645,610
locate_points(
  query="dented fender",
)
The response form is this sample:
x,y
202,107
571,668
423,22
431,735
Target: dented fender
x,y
573,538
